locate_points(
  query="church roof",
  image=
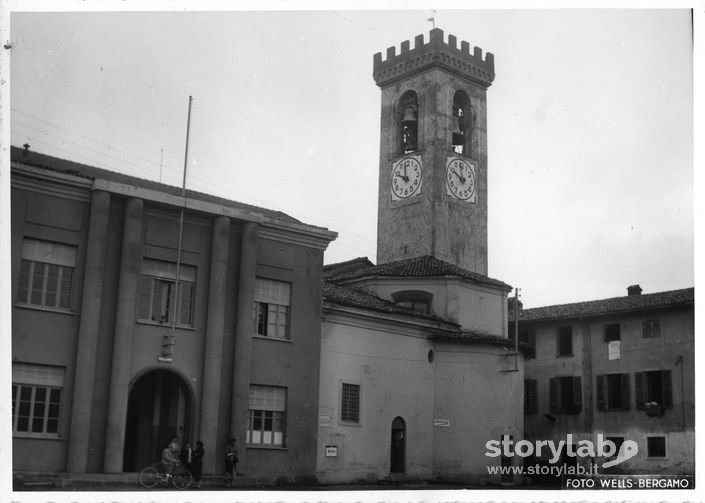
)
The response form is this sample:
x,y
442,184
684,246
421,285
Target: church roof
x,y
358,298
418,267
629,303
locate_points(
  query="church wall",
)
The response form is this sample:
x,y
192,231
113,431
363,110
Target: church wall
x,y
481,399
391,365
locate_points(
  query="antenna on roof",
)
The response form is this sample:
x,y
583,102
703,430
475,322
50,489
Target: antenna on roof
x,y
161,164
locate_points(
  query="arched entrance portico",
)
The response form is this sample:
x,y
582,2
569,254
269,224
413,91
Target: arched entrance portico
x,y
160,406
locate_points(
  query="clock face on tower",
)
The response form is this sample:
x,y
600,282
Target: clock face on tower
x,y
460,179
406,178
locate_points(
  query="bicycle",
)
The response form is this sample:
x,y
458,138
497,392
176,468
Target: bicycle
x,y
180,477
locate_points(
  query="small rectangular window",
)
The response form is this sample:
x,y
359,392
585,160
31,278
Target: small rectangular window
x,y
46,274
656,447
272,301
612,332
565,341
350,403
651,328
266,415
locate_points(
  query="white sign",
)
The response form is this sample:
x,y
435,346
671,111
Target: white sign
x,y
441,422
331,451
613,350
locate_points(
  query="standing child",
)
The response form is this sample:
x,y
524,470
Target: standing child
x,y
230,462
197,464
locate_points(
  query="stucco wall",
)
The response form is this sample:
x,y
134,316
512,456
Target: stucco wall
x,y
481,396
477,307
41,336
637,354
461,385
396,379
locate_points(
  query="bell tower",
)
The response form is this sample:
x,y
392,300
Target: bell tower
x,y
433,152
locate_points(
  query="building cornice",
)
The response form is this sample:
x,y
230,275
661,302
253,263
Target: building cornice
x,y
270,228
332,312
51,183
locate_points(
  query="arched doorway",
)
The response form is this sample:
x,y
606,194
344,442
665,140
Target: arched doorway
x,y
397,464
159,407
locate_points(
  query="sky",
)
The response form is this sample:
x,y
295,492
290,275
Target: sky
x,y
590,124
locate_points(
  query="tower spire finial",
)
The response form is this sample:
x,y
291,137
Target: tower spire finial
x,y
432,19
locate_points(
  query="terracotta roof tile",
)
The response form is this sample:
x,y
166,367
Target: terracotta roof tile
x,y
426,266
627,303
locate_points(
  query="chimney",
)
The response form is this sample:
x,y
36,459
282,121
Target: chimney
x,y
634,290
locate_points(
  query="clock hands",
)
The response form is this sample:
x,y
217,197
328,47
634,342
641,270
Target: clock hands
x,y
461,178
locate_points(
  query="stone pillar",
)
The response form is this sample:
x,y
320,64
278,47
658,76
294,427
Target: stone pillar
x,y
244,329
215,331
89,326
130,268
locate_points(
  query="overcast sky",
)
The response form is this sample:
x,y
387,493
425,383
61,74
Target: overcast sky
x,y
590,124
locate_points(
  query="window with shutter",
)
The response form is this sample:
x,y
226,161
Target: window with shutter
x,y
553,404
565,395
612,392
530,396
654,389
651,328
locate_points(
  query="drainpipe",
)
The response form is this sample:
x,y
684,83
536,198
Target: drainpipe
x,y
679,363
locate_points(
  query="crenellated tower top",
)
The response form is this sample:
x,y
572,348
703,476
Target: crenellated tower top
x,y
436,53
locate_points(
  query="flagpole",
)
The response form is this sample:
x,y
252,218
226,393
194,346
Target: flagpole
x,y
167,355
